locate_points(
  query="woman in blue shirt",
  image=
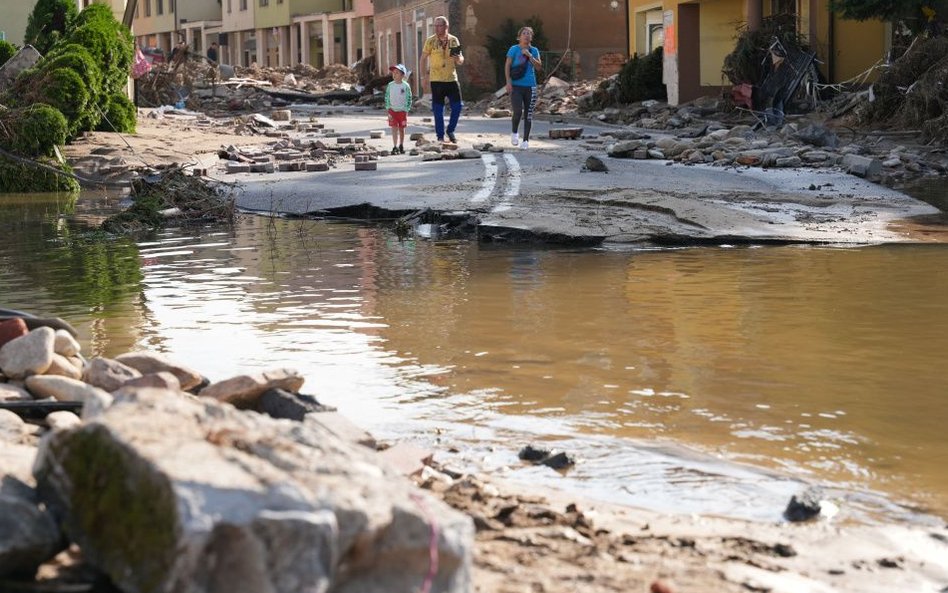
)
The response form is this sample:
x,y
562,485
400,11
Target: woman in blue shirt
x,y
520,68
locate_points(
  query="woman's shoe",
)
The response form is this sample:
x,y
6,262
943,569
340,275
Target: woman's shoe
x,y
515,139
394,150
401,148
524,145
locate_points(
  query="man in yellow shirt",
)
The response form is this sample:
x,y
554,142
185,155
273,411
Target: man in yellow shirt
x,y
440,57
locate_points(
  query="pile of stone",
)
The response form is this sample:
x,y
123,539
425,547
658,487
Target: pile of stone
x,y
557,97
304,145
695,134
164,481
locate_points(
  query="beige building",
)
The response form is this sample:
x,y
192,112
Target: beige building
x,y
15,13
13,19
161,23
290,32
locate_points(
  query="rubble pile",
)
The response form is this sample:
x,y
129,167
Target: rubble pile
x,y
151,477
693,134
297,154
203,86
557,97
171,194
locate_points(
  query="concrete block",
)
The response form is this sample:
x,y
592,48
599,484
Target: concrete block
x,y
293,166
22,60
317,167
343,139
862,166
566,133
340,426
262,168
416,136
238,168
406,458
281,115
367,166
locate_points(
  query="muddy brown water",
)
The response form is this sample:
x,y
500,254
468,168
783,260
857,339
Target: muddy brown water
x,y
715,379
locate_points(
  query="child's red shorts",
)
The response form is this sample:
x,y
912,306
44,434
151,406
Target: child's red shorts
x,y
397,119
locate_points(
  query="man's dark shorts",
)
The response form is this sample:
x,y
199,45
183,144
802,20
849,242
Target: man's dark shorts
x,y
440,90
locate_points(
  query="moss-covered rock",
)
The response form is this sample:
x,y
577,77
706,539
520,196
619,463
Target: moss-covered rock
x,y
108,495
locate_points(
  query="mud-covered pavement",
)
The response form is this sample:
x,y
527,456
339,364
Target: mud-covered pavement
x,y
547,194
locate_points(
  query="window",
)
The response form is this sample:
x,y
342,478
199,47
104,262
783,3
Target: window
x,y
170,5
264,2
159,6
229,6
147,7
243,4
783,7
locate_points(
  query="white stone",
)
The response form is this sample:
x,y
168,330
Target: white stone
x,y
151,362
108,374
61,389
62,420
28,355
244,390
63,367
65,344
12,427
11,392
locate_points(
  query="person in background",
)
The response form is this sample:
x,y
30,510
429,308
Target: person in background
x,y
212,53
520,69
398,104
441,56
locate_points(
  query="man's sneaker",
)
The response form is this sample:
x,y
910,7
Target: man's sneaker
x,y
394,150
441,139
515,139
452,138
524,145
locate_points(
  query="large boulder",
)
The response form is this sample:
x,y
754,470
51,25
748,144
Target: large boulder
x,y
167,492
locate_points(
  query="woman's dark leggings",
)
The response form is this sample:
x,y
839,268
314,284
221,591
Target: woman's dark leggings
x,y
523,99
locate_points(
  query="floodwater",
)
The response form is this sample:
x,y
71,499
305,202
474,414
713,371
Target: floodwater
x,y
715,380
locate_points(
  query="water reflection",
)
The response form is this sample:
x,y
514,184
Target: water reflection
x,y
821,363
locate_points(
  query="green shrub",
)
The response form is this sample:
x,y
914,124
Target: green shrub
x,y
120,115
641,78
108,41
7,51
48,22
38,129
66,90
79,59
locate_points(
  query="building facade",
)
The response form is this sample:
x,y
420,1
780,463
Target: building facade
x,y
290,32
15,13
595,31
697,35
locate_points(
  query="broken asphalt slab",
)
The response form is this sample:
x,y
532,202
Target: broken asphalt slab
x,y
544,194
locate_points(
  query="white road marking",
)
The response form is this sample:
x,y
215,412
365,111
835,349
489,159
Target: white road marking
x,y
513,168
490,179
512,190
